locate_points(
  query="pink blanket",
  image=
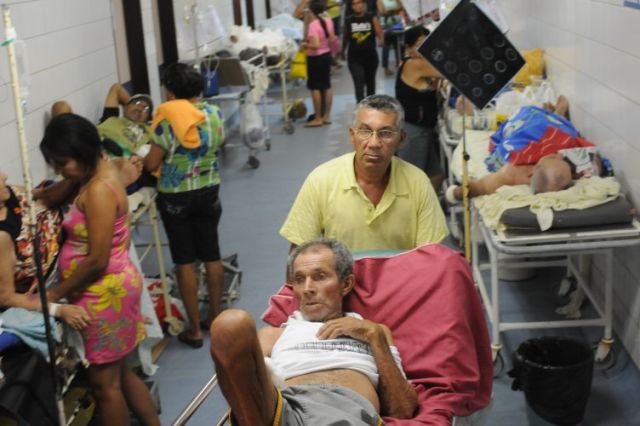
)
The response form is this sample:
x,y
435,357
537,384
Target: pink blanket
x,y
428,299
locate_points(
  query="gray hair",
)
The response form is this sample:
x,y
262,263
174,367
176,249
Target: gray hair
x,y
341,254
384,103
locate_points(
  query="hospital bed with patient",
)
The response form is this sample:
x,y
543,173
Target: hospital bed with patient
x,y
523,230
427,298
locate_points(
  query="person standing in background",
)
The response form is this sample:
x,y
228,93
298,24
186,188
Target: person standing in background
x,y
391,12
360,32
320,36
416,90
187,136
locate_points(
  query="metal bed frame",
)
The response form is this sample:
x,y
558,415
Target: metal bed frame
x,y
558,248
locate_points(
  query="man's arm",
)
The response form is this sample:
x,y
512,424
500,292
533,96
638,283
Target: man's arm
x,y
154,158
397,397
116,96
300,8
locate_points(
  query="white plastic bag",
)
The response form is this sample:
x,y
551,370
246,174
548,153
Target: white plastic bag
x,y
253,127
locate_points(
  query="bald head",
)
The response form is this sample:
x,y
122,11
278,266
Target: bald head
x,y
551,173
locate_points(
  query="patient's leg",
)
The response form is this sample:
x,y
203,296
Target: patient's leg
x,y
241,370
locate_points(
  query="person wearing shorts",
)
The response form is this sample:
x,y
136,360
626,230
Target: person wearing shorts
x,y
320,37
186,137
323,365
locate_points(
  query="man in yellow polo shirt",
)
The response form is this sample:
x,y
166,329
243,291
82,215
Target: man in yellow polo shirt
x,y
369,199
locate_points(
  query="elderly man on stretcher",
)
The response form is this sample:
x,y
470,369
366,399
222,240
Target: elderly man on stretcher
x,y
327,366
537,147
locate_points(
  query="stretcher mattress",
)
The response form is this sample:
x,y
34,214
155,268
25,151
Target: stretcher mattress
x,y
614,212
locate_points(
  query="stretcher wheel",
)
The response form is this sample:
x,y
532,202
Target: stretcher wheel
x,y
498,365
175,326
253,162
288,128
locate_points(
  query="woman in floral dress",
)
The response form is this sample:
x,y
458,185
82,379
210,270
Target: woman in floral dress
x,y
96,272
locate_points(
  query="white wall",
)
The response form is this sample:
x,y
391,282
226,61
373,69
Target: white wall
x,y
211,36
71,56
593,56
209,30
151,47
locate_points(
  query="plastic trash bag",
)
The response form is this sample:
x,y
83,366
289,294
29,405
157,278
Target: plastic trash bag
x,y
253,133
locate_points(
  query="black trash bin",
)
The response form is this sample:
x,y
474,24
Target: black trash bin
x,y
555,374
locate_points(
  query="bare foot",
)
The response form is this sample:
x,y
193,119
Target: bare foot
x,y
562,106
314,123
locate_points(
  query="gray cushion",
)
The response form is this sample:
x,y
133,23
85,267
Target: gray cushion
x,y
613,212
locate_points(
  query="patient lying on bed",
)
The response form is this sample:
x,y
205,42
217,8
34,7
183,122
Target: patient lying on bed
x,y
548,163
335,365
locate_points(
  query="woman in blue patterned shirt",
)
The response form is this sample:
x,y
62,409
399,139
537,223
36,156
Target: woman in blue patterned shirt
x,y
187,134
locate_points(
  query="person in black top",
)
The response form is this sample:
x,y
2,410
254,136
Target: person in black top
x,y
415,89
360,30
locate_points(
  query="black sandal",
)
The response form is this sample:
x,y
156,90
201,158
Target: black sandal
x,y
194,343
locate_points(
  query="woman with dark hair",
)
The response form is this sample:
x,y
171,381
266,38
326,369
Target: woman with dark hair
x,y
416,90
360,32
96,272
187,136
320,37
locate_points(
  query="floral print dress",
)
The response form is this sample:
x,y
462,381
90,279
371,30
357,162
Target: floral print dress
x,y
113,302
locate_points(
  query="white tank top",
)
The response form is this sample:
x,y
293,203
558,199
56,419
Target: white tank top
x,y
298,351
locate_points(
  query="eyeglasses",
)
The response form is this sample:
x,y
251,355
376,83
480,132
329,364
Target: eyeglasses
x,y
146,107
385,135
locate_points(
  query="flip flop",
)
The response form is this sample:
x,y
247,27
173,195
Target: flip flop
x,y
194,343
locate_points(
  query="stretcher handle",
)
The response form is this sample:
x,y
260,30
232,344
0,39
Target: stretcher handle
x,y
196,402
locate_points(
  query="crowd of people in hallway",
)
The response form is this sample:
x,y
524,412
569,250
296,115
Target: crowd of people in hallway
x,y
381,196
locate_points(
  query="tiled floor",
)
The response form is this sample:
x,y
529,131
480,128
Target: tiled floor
x,y
255,203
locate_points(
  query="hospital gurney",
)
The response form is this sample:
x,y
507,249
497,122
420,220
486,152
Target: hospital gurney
x,y
513,249
448,361
234,87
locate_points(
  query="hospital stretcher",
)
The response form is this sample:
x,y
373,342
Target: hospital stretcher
x,y
427,298
234,87
510,249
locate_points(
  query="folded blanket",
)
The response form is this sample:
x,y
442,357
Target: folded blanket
x,y
585,193
29,327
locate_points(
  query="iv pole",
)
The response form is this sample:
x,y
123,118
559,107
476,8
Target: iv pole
x,y
10,38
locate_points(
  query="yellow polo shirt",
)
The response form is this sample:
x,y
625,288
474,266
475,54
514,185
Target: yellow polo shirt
x,y
332,204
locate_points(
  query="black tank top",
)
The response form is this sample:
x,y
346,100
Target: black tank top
x,y
420,106
13,222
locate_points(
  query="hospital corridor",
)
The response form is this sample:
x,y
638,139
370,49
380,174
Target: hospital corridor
x,y
428,206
